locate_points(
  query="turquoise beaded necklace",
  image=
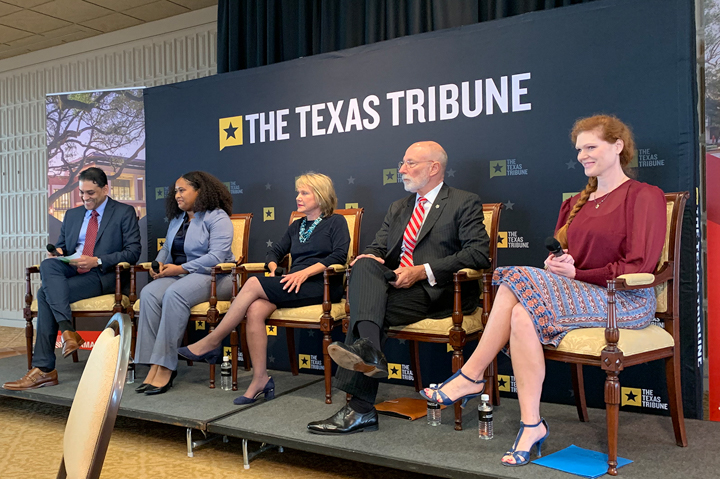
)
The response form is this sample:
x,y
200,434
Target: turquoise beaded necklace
x,y
305,235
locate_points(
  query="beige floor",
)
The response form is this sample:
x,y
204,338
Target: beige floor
x,y
31,447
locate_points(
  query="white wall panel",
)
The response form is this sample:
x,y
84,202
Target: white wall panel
x,y
129,58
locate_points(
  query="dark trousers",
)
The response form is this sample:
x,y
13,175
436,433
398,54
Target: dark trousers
x,y
61,285
373,299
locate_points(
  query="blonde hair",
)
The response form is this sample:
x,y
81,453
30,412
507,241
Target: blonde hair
x,y
323,189
610,129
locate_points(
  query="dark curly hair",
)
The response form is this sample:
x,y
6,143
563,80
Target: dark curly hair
x,y
212,194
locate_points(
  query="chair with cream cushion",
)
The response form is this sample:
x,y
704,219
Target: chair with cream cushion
x,y
207,313
102,306
458,329
97,399
614,349
326,316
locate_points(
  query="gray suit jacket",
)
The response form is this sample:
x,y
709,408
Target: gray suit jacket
x,y
453,237
208,241
118,238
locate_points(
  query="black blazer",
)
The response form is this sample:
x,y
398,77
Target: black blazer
x,y
118,238
453,237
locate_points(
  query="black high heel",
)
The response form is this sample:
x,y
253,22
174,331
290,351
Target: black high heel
x,y
142,388
151,390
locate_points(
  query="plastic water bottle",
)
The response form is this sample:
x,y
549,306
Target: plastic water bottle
x,y
434,413
485,418
225,379
130,377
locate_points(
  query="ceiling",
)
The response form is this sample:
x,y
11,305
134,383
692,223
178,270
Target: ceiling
x,y
31,25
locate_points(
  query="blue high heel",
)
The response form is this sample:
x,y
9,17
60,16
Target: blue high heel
x,y
445,399
523,457
211,357
268,391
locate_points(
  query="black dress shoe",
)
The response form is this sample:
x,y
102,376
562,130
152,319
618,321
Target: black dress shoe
x,y
152,390
346,421
360,356
142,388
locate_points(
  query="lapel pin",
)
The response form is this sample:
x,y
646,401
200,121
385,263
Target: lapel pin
x,y
437,206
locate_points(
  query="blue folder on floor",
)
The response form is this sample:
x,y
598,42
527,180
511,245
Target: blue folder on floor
x,y
577,460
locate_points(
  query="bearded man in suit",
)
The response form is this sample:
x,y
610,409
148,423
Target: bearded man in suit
x,y
424,239
104,232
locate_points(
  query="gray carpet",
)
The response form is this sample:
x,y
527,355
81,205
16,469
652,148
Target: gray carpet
x,y
189,403
415,446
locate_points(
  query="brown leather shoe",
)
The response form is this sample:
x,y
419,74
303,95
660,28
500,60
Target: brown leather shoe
x,y
71,342
32,380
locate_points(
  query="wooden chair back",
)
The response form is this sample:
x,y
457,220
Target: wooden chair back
x,y
241,233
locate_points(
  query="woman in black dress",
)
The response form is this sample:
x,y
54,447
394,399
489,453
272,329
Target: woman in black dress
x,y
315,242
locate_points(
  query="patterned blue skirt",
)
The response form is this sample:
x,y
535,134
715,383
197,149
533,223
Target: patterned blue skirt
x,y
558,304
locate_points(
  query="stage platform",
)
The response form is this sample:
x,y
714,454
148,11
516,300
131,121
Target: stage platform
x,y
648,440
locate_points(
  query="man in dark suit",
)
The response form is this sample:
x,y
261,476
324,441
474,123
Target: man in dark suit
x,y
424,239
103,232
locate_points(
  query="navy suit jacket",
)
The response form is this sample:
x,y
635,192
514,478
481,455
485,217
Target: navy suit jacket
x,y
453,237
118,238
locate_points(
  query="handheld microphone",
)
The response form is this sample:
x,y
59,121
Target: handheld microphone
x,y
53,250
554,246
390,276
155,267
279,271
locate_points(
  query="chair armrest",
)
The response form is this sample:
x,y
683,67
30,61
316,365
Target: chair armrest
x,y
252,268
33,269
638,279
336,269
143,266
224,267
122,266
467,274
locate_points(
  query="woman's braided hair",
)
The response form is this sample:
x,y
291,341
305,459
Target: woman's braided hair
x,y
607,128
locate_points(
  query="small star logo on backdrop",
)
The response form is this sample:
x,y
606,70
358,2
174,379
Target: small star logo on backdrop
x,y
509,205
351,205
401,341
269,243
351,181
394,371
631,397
498,168
271,359
311,333
390,176
267,186
451,172
571,164
304,360
268,213
271,330
160,243
502,239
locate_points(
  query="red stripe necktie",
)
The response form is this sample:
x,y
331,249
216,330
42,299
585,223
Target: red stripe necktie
x,y
90,237
411,233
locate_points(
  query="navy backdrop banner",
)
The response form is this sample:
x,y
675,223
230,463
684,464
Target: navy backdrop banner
x,y
501,98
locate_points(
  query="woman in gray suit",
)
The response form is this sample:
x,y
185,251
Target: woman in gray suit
x,y
199,237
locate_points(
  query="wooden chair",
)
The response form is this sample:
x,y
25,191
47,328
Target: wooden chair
x,y
102,306
614,349
211,310
458,329
96,403
324,317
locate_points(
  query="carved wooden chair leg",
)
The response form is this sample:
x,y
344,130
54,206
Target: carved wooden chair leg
x,y
579,390
612,407
29,342
234,357
672,376
244,347
415,364
457,364
290,337
75,357
327,363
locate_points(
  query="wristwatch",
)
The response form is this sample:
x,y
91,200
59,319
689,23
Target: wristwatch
x,y
99,262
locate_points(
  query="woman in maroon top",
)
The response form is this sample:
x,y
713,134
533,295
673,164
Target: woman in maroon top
x,y
615,226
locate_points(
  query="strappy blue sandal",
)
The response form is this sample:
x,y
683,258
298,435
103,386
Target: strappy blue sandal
x,y
439,397
523,457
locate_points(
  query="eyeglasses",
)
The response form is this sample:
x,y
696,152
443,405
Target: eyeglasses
x,y
412,164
